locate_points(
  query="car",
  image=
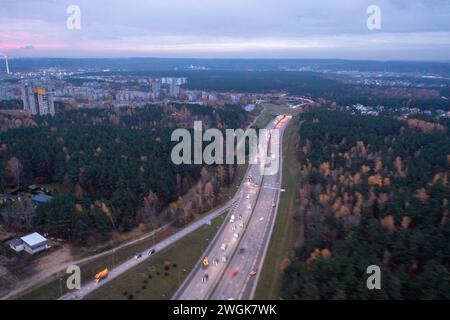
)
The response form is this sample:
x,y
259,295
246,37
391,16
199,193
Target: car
x,y
224,258
252,274
236,235
139,255
234,273
223,247
241,224
233,228
273,204
249,206
242,250
151,252
215,261
261,219
248,196
240,217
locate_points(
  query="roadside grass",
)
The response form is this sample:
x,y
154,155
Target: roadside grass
x,y
284,236
160,276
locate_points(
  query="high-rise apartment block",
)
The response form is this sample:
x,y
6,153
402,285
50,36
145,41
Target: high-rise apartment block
x,y
37,101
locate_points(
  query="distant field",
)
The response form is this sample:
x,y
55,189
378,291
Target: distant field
x,y
161,275
284,234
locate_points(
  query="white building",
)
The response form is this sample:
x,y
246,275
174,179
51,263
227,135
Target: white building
x,y
32,243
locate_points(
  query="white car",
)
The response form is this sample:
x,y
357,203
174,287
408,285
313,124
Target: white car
x,y
233,228
223,247
241,224
224,258
248,196
236,235
261,219
249,206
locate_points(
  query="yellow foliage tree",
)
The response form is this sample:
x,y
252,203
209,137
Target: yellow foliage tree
x,y
406,222
375,180
388,222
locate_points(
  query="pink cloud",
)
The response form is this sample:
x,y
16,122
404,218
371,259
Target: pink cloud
x,y
23,46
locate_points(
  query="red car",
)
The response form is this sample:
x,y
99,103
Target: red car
x,y
234,273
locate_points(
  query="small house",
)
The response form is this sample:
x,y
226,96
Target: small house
x,y
32,243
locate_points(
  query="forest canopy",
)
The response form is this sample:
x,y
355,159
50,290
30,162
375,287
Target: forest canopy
x,y
112,168
371,191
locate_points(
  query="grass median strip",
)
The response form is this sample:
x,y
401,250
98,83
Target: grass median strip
x,y
161,275
284,233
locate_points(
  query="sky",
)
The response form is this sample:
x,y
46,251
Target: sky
x,y
409,29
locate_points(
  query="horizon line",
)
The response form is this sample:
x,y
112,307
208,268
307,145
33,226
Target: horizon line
x,y
232,58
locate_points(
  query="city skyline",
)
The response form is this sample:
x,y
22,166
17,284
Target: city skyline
x,y
410,30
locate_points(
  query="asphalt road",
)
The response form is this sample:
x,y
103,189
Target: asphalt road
x,y
90,286
241,205
230,278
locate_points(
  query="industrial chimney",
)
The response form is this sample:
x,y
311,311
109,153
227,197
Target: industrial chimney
x,y
7,65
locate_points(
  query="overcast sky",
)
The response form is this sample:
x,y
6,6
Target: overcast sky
x,y
410,29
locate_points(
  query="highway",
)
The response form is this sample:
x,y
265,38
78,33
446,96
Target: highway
x,y
234,260
241,205
90,286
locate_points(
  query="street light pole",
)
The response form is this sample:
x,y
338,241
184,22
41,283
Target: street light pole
x,y
179,275
113,258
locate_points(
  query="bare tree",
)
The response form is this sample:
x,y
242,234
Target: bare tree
x,y
14,171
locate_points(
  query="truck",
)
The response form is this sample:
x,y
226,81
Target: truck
x,y
101,275
205,262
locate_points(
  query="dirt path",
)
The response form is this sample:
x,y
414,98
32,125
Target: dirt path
x,y
45,268
58,260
